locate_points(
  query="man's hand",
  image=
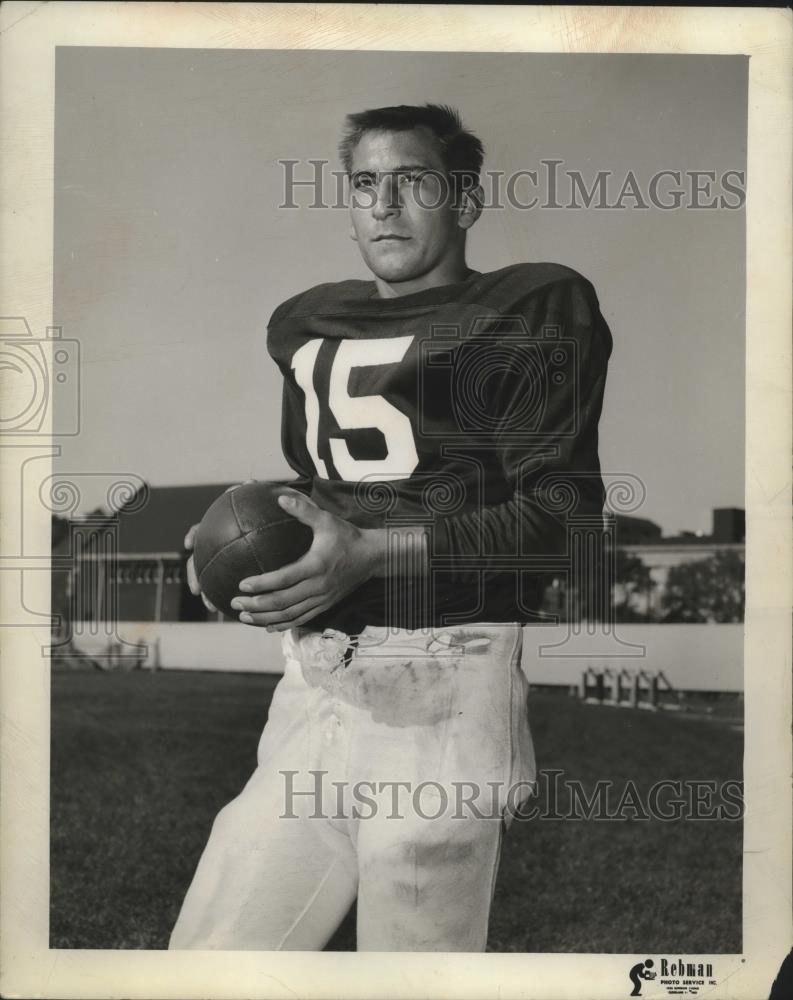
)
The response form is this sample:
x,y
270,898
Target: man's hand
x,y
192,578
341,558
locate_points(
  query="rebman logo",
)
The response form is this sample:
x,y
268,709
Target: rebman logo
x,y
675,976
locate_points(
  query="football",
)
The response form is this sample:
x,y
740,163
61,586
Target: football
x,y
244,533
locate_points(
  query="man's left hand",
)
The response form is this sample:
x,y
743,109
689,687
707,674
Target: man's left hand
x,y
341,558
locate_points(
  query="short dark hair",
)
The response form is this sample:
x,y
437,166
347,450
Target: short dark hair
x,y
461,150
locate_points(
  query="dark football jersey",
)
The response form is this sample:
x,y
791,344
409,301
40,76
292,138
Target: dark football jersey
x,y
469,408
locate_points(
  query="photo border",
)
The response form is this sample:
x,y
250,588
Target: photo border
x,y
29,34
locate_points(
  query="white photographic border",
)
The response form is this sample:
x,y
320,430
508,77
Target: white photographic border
x,y
29,35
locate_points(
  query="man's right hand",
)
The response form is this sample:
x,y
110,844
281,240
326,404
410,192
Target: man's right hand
x,y
192,578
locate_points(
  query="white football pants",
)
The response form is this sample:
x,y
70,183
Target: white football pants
x,y
386,771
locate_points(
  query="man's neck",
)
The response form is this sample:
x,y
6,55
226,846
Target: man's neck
x,y
449,275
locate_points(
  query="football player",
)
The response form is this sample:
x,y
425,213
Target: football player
x,y
442,425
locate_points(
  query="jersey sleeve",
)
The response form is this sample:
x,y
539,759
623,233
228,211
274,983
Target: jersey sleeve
x,y
293,437
554,472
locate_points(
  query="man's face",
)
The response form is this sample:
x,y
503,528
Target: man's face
x,y
401,209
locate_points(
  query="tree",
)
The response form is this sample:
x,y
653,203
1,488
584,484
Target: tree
x,y
706,590
602,592
60,529
59,578
632,577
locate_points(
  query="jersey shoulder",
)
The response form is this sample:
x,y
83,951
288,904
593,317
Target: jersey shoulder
x,y
548,292
503,288
322,298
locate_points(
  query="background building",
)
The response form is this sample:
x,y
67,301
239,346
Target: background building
x,y
131,566
660,555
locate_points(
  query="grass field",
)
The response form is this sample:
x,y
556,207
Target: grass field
x,y
141,763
